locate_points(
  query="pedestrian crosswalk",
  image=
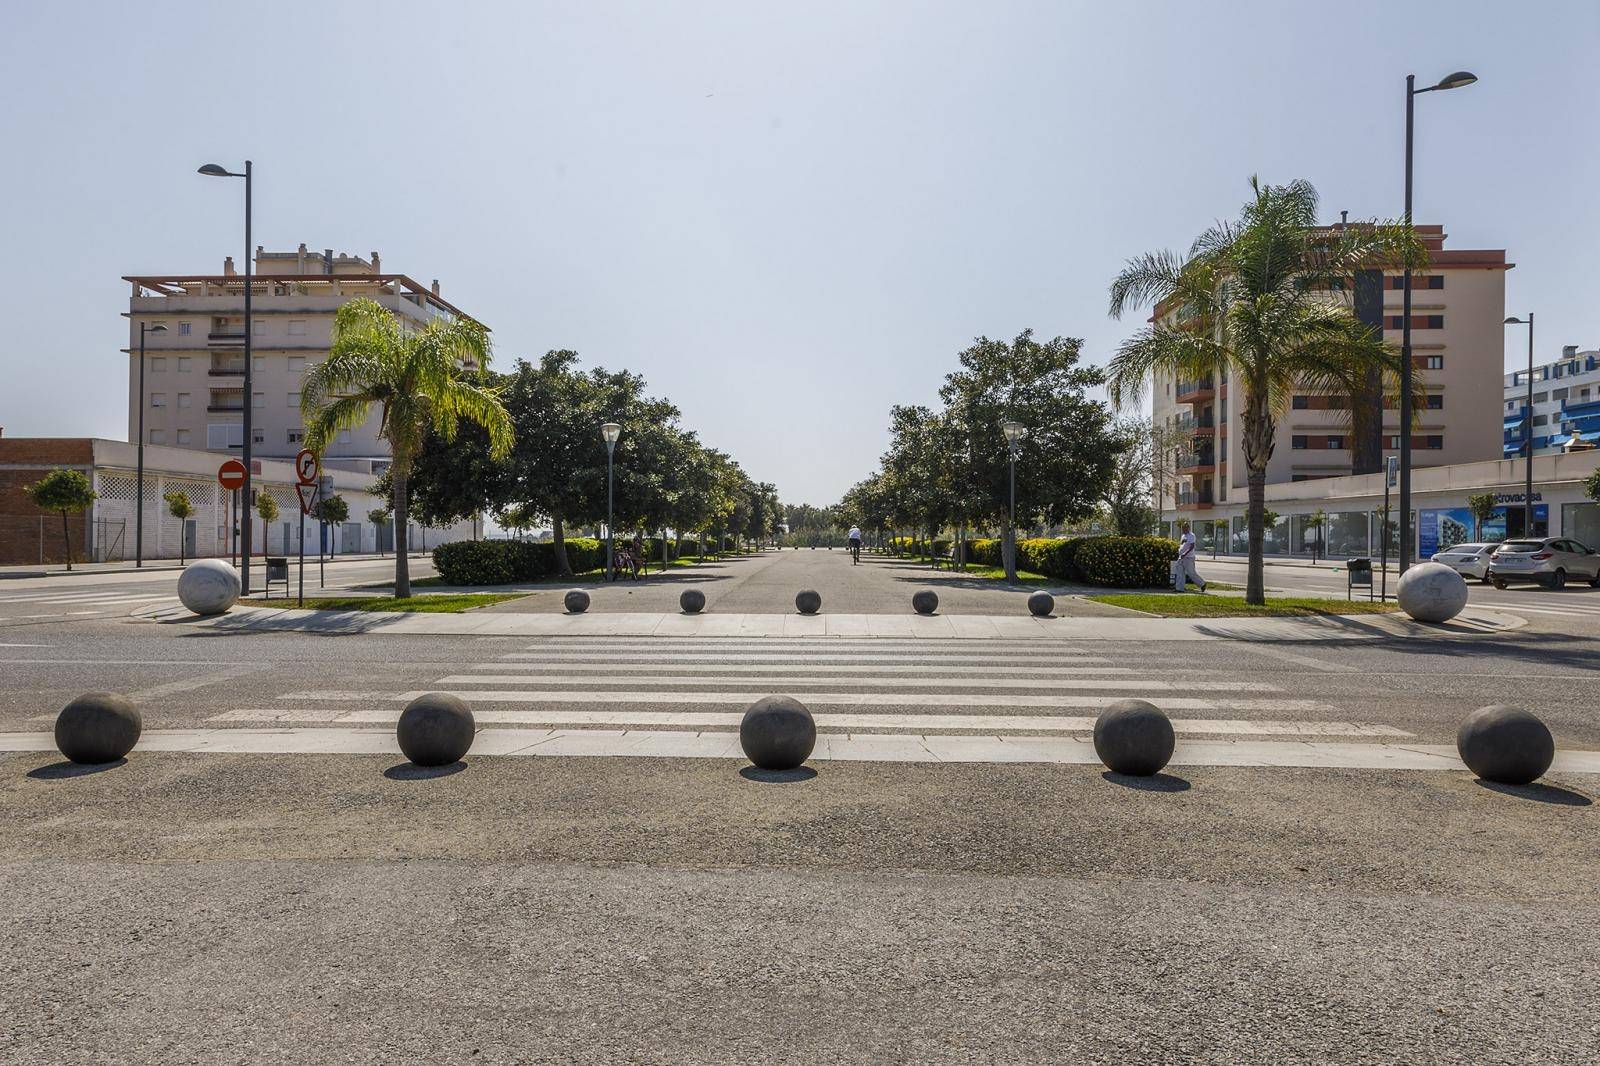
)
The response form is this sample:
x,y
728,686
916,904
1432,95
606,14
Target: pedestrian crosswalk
x,y
580,692
42,604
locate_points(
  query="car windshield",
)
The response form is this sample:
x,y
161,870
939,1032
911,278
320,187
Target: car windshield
x,y
1468,549
1522,545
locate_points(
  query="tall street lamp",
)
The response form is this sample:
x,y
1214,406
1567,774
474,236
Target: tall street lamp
x,y
1014,432
1527,429
138,492
610,432
1451,81
212,170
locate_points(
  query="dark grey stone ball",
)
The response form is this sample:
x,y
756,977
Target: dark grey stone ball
x,y
1040,604
693,601
1133,737
809,601
777,733
925,602
1505,744
98,727
435,729
577,601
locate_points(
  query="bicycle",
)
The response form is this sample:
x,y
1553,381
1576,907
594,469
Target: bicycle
x,y
855,553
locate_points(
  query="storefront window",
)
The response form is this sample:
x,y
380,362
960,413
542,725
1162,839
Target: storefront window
x,y
1581,522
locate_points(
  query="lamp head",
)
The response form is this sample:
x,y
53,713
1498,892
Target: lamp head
x,y
1459,79
610,432
157,328
211,170
1515,321
1014,431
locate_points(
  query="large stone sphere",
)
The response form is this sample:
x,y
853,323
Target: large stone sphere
x,y
209,586
1505,744
1040,604
1432,592
577,601
1133,737
693,601
809,601
777,733
98,727
925,602
435,729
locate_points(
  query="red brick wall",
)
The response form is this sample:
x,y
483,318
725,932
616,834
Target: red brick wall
x,y
23,461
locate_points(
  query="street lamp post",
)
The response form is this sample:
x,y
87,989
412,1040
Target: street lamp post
x,y
1014,432
1527,430
610,432
1452,81
138,492
212,170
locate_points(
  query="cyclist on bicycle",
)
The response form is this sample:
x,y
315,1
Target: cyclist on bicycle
x,y
855,544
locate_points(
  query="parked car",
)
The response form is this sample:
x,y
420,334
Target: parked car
x,y
1468,560
1549,562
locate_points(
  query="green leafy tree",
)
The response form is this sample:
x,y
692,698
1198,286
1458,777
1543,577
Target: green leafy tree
x,y
179,507
419,379
380,517
1317,521
1482,505
518,518
67,492
1131,486
332,511
267,508
1591,486
1259,300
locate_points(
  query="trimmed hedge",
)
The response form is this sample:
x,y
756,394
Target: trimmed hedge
x,y
506,562
1126,562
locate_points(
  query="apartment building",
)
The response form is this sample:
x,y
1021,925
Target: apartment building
x,y
194,371
1566,405
1457,342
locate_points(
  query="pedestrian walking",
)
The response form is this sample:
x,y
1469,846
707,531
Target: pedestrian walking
x,y
1183,570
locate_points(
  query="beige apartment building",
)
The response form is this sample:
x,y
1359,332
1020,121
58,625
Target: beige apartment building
x,y
193,393
1457,341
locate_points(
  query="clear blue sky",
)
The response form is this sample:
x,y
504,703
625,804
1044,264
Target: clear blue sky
x,y
788,217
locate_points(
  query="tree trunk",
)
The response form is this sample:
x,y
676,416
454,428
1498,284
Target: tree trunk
x,y
558,538
1255,582
402,547
66,535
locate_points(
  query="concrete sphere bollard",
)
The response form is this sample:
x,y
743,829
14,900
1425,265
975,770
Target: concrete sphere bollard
x,y
98,727
1040,604
577,601
435,729
777,733
1431,592
1133,737
925,602
809,601
1505,744
209,586
693,601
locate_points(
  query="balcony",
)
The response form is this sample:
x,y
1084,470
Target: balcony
x,y
225,338
1194,501
225,408
226,370
1196,391
1204,462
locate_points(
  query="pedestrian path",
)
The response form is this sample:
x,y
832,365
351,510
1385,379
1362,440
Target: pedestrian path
x,y
41,605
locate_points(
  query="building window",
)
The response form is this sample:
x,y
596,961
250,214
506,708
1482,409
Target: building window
x,y
183,364
1434,362
225,435
183,399
1558,394
1435,401
297,364
1433,442
1298,441
158,364
294,399
1302,403
260,329
297,327
158,436
258,399
183,329
344,436
1540,397
183,436
297,436
1335,441
258,436
158,399
1541,420
258,363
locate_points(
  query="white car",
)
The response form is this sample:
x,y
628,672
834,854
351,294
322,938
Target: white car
x,y
1468,560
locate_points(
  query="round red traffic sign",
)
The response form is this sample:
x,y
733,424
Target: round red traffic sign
x,y
307,466
230,475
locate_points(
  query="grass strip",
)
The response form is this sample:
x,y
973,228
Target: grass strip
x,y
1198,605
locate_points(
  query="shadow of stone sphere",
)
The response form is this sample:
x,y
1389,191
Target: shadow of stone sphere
x,y
1539,793
410,771
778,777
60,771
1157,782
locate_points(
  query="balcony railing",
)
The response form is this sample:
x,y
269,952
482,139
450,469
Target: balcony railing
x,y
221,370
225,408
225,336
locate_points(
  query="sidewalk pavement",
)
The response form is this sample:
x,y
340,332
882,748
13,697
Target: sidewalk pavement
x,y
1472,622
157,566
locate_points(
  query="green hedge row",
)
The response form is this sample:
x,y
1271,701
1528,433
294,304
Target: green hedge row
x,y
1126,562
506,562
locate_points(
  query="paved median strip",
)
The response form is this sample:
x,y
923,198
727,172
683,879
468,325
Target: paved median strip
x,y
1110,684
821,699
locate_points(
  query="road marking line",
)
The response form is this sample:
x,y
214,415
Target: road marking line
x,y
820,699
812,654
1112,683
1293,657
216,677
745,668
698,719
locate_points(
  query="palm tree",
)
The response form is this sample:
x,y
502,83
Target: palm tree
x,y
419,378
1260,300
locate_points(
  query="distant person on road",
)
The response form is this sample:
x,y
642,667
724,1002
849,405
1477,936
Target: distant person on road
x,y
855,543
1183,571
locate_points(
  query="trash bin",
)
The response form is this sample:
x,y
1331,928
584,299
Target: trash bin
x,y
1357,572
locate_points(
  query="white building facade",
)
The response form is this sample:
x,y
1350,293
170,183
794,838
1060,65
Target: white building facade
x,y
1566,403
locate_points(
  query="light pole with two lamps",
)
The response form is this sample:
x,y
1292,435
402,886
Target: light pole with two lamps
x,y
610,432
1451,81
138,492
1015,432
1527,430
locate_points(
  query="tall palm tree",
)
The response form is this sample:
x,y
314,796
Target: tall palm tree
x,y
1264,300
419,378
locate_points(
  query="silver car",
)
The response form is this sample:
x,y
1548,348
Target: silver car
x,y
1468,560
1549,562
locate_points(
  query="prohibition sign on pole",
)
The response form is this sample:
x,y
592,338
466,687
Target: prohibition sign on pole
x,y
230,475
306,466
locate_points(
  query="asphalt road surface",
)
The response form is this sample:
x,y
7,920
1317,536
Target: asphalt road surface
x,y
307,908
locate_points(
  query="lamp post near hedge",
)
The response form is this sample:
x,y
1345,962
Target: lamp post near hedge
x,y
610,432
1014,432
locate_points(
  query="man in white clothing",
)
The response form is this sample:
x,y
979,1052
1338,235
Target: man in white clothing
x,y
1184,571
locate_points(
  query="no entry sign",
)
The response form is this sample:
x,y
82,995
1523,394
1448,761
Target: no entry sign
x,y
230,475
